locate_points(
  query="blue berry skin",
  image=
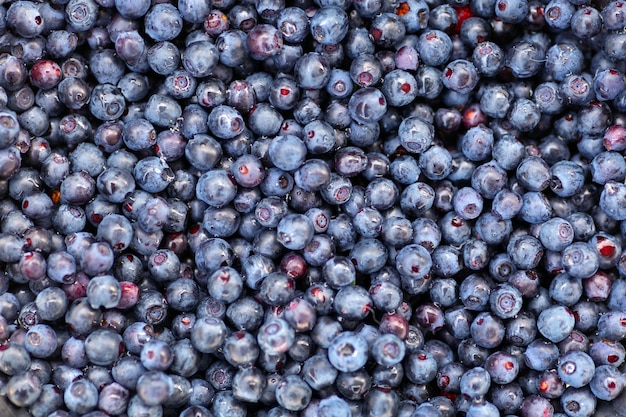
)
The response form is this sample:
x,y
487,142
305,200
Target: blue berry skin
x,y
567,178
225,122
503,367
104,291
312,71
163,22
207,334
525,59
416,135
507,397
524,114
581,400
162,110
216,188
339,272
25,18
563,59
367,105
413,261
263,41
154,387
436,163
476,144
475,382
541,355
381,193
607,249
37,206
41,341
211,93
556,323
446,260
576,369
348,352
468,204
536,405
435,47
580,260
399,87
200,58
329,25
113,398
156,355
263,119
420,367
609,327
405,170
292,393
608,166
460,76
103,347
506,204
487,330
275,336
505,301
558,14
586,22
81,396
225,284
556,234
548,98
508,151
340,84
611,200
293,24
414,15
608,84
577,89
613,16
606,383
488,58
488,179
535,208
525,251
429,82
319,137
352,303
512,11
284,95
387,29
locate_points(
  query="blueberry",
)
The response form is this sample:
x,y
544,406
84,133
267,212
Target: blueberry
x,y
104,291
435,47
415,134
606,384
367,105
25,19
329,25
577,89
199,58
612,15
162,21
293,24
275,336
293,393
460,76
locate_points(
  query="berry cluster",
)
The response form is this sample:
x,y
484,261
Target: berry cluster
x,y
333,208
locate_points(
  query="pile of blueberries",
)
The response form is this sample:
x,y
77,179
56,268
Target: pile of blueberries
x,y
333,208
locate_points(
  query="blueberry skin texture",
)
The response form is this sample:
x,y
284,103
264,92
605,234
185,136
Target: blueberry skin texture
x,y
576,369
555,323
